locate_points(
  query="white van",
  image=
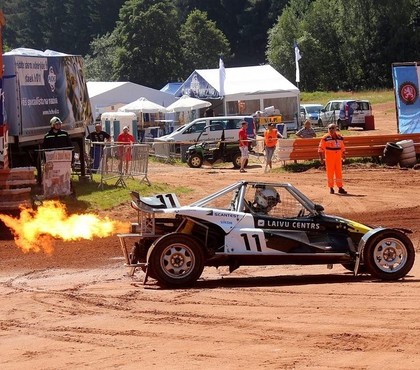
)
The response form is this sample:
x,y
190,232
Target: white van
x,y
189,132
346,113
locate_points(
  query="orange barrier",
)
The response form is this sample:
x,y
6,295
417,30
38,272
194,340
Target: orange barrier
x,y
356,146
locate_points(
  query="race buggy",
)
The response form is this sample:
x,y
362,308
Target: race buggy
x,y
255,223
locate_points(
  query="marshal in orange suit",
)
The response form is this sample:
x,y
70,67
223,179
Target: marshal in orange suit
x,y
331,148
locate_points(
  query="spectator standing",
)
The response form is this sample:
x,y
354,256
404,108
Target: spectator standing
x,y
271,136
125,141
243,145
97,136
306,132
331,147
56,138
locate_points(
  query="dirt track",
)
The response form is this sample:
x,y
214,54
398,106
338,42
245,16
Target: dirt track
x,y
78,308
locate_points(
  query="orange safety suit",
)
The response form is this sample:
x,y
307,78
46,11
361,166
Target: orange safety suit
x,y
332,146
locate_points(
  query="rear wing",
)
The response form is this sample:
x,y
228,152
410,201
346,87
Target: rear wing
x,y
154,203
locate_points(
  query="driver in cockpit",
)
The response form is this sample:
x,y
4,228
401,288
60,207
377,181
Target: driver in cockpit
x,y
265,199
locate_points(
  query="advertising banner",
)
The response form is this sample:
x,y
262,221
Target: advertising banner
x,y
406,88
197,87
40,87
57,173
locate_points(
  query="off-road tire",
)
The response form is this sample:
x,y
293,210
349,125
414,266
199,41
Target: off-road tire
x,y
176,260
195,161
389,255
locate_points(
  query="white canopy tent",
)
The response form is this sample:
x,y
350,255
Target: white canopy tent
x,y
140,106
187,103
246,90
109,96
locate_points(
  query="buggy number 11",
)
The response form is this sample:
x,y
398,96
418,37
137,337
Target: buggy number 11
x,y
255,223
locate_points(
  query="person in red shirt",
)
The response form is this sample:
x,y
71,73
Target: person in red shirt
x,y
125,140
331,147
243,145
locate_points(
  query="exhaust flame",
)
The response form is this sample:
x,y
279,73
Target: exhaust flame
x,y
35,230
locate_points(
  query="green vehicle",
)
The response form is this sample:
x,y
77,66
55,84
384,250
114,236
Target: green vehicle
x,y
211,152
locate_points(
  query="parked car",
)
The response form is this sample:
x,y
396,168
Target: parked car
x,y
311,112
213,151
255,223
346,113
190,131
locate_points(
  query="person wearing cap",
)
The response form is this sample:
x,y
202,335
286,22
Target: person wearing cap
x,y
56,138
243,145
124,140
331,148
306,132
97,136
271,136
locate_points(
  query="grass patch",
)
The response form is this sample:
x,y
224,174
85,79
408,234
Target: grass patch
x,y
88,195
322,97
307,165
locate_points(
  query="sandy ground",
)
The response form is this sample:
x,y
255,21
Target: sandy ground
x,y
78,308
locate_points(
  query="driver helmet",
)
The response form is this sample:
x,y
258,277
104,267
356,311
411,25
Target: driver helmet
x,y
266,198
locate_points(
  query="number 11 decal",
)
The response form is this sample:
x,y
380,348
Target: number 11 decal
x,y
256,239
168,200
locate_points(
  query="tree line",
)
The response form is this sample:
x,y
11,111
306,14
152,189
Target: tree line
x,y
345,44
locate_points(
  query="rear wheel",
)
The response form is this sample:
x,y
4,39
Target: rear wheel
x,y
342,125
176,260
195,161
389,255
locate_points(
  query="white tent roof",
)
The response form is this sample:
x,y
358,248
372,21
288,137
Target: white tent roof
x,y
105,94
255,80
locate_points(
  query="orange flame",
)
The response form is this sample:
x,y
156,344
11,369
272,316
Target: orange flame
x,y
35,230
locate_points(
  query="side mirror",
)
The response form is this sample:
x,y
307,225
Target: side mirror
x,y
319,208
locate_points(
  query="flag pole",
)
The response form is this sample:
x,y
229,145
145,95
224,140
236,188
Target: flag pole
x,y
222,78
298,57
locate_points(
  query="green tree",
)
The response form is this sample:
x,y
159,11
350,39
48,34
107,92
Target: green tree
x,y
244,23
321,67
202,43
253,25
67,26
280,49
23,27
100,64
148,38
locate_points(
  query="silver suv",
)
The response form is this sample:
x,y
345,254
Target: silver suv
x,y
346,113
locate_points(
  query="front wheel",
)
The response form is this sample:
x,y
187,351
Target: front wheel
x,y
195,161
176,260
236,160
389,255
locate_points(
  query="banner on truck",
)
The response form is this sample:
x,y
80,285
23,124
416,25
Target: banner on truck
x,y
44,86
57,173
406,87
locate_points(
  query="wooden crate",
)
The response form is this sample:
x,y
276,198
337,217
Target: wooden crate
x,y
15,190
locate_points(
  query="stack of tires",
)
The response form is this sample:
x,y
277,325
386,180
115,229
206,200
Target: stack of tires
x,y
408,155
392,154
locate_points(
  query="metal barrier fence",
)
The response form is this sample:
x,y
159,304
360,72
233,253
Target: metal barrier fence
x,y
165,151
119,162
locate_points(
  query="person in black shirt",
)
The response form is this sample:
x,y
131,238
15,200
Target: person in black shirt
x,y
56,138
97,136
